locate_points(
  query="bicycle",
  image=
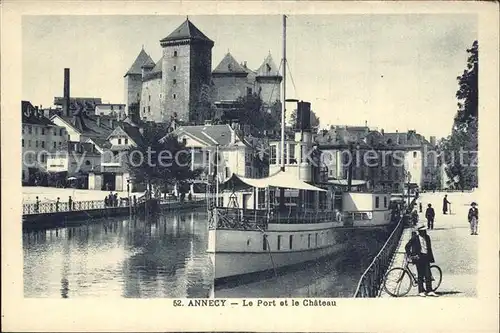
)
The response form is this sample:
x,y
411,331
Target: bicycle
x,y
399,280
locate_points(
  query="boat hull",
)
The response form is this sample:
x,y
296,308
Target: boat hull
x,y
240,252
233,264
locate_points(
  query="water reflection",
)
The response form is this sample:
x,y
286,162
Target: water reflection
x,y
164,257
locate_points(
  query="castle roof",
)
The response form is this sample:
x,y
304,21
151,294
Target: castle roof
x,y
158,66
142,58
268,67
229,65
187,30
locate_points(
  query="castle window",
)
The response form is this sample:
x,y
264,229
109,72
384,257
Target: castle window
x,y
43,131
414,154
119,141
143,109
61,132
175,68
43,144
150,98
174,81
29,129
249,91
23,142
149,109
126,141
175,96
175,53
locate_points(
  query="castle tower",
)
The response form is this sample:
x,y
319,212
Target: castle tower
x,y
230,79
268,81
186,71
133,82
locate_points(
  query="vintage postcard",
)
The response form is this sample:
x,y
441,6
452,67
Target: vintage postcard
x,y
250,166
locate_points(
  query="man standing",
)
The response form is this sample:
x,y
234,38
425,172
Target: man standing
x,y
429,215
473,218
445,204
419,249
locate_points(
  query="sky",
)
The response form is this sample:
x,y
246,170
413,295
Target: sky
x,y
393,72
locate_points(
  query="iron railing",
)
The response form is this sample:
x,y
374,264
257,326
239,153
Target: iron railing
x,y
54,207
372,278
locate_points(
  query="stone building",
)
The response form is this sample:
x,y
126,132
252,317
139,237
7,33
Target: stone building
x,y
182,82
40,138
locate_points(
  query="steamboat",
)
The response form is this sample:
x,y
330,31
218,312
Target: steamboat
x,y
293,216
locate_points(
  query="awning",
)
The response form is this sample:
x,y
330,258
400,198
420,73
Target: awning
x,y
345,183
280,179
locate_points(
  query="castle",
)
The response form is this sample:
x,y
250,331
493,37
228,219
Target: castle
x,y
182,81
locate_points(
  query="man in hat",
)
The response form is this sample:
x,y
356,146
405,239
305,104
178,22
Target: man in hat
x,y
445,204
419,249
430,215
473,218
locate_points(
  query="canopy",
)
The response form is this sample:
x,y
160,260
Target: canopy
x,y
280,179
344,182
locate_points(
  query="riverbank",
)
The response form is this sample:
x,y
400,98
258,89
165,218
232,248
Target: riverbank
x,y
62,219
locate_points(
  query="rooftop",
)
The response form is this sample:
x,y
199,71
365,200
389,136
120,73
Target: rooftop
x,y
187,30
142,58
229,65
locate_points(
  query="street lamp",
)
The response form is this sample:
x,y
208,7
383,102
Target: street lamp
x,y
352,148
408,177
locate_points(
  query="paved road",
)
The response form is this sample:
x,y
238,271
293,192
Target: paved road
x,y
455,250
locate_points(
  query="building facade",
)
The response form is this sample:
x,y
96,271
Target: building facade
x,y
40,138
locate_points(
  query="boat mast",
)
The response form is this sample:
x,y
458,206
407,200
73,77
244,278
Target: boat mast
x,y
283,108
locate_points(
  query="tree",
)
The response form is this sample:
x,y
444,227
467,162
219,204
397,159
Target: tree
x,y
160,160
257,115
314,119
460,148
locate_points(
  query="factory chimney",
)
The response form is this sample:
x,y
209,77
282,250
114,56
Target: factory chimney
x,y
66,109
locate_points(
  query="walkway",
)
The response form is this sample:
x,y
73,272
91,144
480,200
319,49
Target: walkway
x,y
455,250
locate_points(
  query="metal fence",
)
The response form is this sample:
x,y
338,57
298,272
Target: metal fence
x,y
54,207
371,280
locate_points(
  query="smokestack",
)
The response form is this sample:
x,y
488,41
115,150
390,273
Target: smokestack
x,y
66,109
303,121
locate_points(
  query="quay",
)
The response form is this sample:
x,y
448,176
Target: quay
x,y
455,250
57,215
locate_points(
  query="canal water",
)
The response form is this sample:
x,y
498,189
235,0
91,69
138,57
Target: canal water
x,y
165,257
120,258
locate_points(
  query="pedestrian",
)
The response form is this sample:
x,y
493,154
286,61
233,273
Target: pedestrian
x,y
37,205
106,201
473,218
414,217
429,215
57,204
110,199
420,207
115,199
70,203
419,249
445,204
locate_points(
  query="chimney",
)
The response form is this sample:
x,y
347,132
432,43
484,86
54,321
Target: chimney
x,y
98,120
382,131
66,109
433,140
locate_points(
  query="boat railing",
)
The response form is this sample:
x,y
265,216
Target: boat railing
x,y
238,219
245,219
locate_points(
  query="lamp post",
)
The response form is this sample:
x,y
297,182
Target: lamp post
x,y
408,177
128,195
352,149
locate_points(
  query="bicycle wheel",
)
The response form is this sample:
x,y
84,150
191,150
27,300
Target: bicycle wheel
x,y
437,277
397,282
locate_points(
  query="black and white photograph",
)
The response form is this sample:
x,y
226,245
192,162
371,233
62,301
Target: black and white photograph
x,y
251,158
